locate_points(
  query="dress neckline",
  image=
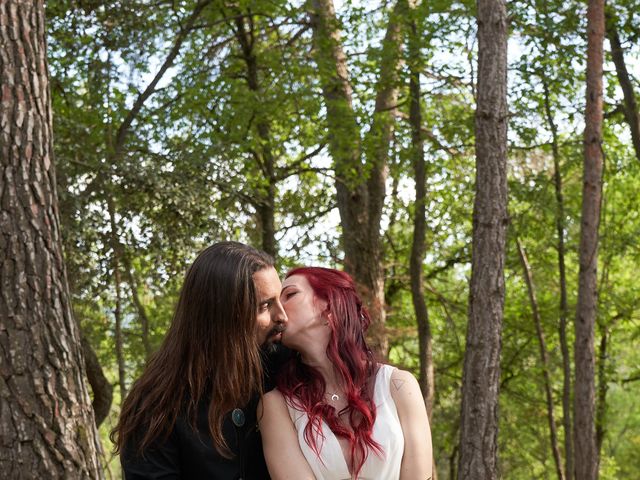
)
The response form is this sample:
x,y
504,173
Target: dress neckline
x,y
331,437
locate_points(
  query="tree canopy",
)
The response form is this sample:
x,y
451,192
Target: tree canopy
x,y
180,123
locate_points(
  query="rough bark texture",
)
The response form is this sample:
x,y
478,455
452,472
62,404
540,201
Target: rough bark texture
x,y
630,105
544,359
360,188
481,374
47,428
563,306
586,453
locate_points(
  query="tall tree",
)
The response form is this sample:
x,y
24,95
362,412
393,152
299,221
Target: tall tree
x,y
246,36
586,453
481,374
46,419
418,247
360,182
630,107
544,358
563,309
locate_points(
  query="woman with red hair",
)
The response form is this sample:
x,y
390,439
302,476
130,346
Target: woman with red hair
x,y
338,414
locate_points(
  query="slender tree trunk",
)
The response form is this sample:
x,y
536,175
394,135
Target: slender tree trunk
x,y
117,283
264,154
418,248
142,314
453,461
601,405
360,192
47,428
563,307
630,104
586,454
100,385
427,372
481,374
544,358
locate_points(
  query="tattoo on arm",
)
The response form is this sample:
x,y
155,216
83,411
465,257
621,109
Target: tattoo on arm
x,y
398,384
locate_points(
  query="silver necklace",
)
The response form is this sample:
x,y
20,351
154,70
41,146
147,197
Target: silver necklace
x,y
334,396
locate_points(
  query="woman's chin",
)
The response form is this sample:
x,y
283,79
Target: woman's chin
x,y
288,340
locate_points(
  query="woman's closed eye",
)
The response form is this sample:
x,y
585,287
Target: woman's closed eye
x,y
289,294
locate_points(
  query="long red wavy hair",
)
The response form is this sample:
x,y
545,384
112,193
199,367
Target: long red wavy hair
x,y
304,387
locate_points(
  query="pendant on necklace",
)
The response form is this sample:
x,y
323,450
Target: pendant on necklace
x,y
335,397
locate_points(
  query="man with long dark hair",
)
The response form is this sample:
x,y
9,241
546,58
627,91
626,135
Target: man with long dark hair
x,y
192,413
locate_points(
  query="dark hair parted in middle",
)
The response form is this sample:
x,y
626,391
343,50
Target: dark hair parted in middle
x,y
210,352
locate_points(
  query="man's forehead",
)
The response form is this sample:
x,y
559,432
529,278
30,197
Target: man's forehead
x,y
267,282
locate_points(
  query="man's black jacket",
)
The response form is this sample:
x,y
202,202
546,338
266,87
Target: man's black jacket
x,y
189,454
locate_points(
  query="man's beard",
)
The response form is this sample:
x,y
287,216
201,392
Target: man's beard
x,y
270,345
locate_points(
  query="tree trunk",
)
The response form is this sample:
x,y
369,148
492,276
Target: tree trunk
x,y
426,379
142,314
481,373
100,385
47,428
360,189
563,307
586,454
630,105
544,358
601,405
117,312
427,373
264,154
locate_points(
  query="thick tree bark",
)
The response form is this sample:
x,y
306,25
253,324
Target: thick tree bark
x,y
47,427
481,374
586,453
360,189
544,359
630,104
263,154
563,307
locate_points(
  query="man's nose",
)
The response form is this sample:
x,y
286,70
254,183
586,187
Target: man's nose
x,y
281,315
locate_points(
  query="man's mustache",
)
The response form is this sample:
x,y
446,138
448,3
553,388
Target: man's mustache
x,y
279,328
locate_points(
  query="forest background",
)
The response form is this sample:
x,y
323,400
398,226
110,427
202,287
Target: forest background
x,y
181,123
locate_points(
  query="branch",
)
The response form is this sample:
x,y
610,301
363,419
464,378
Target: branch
x,y
142,97
430,135
287,171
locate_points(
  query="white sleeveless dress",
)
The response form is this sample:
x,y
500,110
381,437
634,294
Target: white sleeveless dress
x,y
331,465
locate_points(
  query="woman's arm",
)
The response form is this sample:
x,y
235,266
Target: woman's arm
x,y
280,440
417,460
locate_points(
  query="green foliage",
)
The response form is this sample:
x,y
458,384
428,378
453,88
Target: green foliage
x,y
194,168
